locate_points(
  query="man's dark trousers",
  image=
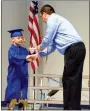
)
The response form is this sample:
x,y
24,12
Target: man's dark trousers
x,y
72,75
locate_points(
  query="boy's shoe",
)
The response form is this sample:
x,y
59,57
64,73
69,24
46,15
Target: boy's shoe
x,y
24,102
19,106
12,104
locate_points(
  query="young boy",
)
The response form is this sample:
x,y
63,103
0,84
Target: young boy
x,y
17,79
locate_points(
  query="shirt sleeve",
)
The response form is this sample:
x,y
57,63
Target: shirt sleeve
x,y
47,51
51,31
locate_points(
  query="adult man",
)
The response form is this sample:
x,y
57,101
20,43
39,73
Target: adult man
x,y
61,35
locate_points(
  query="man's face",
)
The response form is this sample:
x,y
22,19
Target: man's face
x,y
18,40
43,16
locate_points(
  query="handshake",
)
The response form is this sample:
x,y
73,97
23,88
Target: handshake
x,y
34,55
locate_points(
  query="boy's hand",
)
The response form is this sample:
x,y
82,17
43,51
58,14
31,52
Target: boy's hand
x,y
31,58
35,56
28,58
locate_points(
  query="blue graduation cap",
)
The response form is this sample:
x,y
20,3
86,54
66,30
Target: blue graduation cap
x,y
16,32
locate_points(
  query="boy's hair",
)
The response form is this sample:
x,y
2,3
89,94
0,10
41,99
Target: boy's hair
x,y
47,9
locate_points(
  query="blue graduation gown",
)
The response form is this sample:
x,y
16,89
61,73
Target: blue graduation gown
x,y
17,79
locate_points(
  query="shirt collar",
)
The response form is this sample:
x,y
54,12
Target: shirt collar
x,y
50,16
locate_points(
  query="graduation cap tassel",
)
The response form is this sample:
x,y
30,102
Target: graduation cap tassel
x,y
47,56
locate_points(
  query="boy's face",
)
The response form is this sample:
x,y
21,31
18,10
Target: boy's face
x,y
18,40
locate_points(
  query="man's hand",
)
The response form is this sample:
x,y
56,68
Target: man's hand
x,y
32,50
39,48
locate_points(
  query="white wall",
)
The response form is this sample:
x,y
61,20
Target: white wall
x,y
14,15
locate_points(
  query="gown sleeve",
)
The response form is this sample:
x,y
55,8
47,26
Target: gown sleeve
x,y
17,58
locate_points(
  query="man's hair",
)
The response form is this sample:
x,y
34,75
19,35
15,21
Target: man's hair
x,y
47,9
